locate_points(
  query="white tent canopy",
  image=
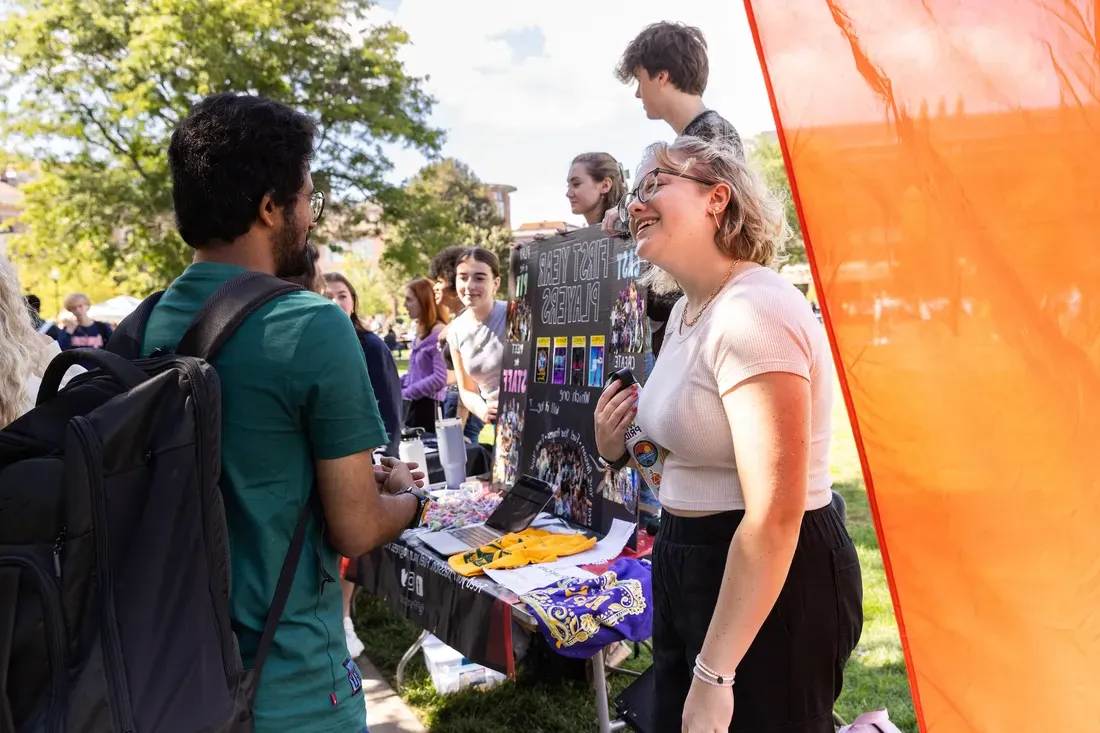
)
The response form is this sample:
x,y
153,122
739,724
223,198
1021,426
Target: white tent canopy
x,y
115,309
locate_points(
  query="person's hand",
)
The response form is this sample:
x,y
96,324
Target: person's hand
x,y
708,709
397,475
611,221
381,474
615,410
490,410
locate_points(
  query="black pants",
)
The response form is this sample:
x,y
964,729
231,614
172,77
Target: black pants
x,y
794,669
421,414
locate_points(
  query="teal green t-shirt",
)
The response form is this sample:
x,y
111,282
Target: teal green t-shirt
x,y
295,388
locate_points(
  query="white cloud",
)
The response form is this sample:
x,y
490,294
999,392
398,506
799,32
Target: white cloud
x,y
522,123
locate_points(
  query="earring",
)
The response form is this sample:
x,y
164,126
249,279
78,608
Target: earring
x,y
714,213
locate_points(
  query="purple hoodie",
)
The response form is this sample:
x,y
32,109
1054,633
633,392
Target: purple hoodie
x,y
427,375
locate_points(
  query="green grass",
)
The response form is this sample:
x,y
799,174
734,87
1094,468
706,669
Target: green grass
x,y
875,676
533,703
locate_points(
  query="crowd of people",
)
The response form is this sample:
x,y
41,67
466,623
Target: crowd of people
x,y
75,328
519,320
620,487
561,464
509,429
456,355
752,566
627,323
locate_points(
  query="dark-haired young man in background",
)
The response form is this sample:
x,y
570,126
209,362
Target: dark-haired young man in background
x,y
669,63
297,406
34,305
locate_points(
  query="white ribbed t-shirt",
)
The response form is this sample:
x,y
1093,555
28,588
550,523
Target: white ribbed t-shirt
x,y
759,323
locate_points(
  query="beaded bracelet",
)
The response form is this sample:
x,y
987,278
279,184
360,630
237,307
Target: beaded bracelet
x,y
713,682
716,680
708,675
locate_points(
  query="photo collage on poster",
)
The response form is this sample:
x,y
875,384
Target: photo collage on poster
x,y
576,315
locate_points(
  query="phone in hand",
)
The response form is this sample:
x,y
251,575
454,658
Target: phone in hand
x,y
624,376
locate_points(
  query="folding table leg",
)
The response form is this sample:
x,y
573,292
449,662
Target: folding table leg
x,y
603,712
408,658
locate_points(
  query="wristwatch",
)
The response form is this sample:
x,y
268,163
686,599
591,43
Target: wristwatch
x,y
422,501
616,465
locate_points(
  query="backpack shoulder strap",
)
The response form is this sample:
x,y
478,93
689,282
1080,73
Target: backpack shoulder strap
x,y
282,588
9,596
127,339
226,310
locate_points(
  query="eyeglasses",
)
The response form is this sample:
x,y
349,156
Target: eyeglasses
x,y
648,186
317,205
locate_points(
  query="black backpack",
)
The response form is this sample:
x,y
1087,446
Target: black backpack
x,y
114,554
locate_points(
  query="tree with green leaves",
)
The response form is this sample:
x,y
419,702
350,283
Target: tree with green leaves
x,y
444,204
767,158
103,83
379,285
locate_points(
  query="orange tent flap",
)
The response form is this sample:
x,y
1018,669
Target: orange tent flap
x,y
945,156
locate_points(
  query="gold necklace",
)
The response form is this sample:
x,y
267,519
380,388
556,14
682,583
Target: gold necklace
x,y
702,309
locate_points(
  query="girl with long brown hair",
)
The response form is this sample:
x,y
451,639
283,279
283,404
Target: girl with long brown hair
x,y
424,386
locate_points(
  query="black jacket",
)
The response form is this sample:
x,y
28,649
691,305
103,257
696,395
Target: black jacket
x,y
386,383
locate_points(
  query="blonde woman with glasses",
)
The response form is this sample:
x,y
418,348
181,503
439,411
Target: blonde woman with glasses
x,y
756,584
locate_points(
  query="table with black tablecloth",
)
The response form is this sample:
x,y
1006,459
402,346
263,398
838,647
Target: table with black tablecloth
x,y
471,615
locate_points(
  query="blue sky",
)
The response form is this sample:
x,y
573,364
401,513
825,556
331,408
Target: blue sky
x,y
524,86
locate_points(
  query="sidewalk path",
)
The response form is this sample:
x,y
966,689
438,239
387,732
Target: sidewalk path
x,y
386,711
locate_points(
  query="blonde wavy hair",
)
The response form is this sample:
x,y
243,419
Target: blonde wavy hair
x,y
753,227
22,346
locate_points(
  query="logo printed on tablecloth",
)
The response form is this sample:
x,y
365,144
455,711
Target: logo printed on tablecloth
x,y
412,582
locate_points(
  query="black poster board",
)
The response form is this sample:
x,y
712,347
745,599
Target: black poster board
x,y
576,314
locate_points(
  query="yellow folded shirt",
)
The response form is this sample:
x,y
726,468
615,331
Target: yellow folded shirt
x,y
529,547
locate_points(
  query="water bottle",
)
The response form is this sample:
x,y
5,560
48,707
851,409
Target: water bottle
x,y
452,451
411,449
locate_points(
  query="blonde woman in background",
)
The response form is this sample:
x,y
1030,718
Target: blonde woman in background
x,y
24,354
755,578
